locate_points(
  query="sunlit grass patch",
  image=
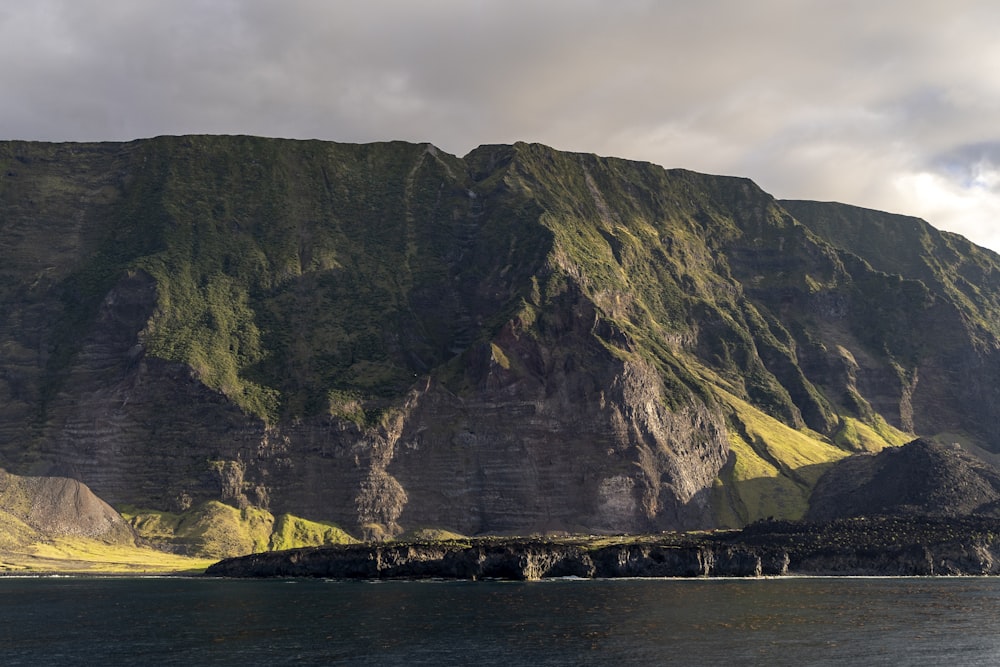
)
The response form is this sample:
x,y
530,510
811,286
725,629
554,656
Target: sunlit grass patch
x,y
218,530
80,555
770,439
774,467
856,435
292,532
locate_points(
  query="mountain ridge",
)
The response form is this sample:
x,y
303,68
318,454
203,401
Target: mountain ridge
x,y
389,337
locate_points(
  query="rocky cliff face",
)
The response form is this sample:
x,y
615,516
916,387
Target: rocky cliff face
x,y
881,546
521,340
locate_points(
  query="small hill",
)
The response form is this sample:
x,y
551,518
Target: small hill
x,y
33,507
58,524
920,478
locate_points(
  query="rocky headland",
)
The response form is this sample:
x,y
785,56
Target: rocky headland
x,y
876,546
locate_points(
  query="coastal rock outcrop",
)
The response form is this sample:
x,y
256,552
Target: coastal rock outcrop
x,y
878,546
517,559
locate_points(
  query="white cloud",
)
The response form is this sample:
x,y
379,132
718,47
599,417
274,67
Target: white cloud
x,y
853,100
972,209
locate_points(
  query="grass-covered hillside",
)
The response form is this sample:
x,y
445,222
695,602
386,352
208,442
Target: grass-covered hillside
x,y
384,338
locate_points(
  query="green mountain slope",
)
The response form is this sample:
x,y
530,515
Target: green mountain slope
x,y
948,331
390,338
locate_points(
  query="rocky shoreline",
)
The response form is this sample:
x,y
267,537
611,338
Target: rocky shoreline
x,y
876,546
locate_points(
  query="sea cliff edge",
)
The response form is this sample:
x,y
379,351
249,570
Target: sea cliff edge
x,y
868,546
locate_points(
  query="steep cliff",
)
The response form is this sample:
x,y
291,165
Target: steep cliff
x,y
878,546
388,337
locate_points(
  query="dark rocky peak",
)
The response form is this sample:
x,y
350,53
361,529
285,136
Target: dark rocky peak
x,y
920,478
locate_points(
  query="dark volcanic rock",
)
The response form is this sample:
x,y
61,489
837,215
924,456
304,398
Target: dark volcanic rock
x,y
884,545
920,478
516,559
878,546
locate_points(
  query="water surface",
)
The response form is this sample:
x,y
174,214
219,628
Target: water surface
x,y
808,621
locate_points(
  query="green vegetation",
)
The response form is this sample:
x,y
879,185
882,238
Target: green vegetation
x,y
212,530
773,471
291,532
774,468
315,283
216,530
26,548
80,555
855,435
945,263
650,264
287,268
15,533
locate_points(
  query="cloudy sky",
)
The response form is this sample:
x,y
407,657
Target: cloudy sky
x,y
892,104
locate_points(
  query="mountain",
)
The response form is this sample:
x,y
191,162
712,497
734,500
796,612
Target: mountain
x,y
389,338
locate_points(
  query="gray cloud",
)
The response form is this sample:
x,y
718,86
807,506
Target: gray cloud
x,y
877,104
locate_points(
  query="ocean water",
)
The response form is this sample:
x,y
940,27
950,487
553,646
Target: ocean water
x,y
788,621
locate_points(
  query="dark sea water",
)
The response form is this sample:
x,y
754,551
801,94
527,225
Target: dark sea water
x,y
169,621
